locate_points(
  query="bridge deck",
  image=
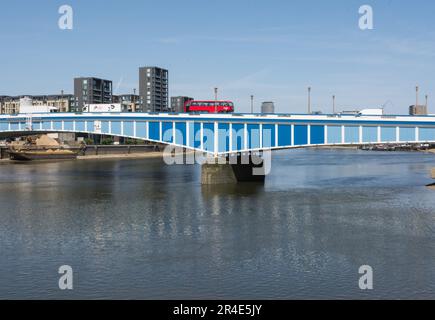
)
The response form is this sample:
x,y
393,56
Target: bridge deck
x,y
229,133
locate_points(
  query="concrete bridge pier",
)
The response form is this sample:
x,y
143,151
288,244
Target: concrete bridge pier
x,y
234,169
432,185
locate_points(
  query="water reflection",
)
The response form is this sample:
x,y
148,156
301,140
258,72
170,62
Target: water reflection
x,y
241,189
140,229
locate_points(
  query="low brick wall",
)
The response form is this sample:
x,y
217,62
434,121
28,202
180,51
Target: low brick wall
x,y
102,150
122,149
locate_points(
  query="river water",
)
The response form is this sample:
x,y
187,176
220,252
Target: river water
x,y
138,229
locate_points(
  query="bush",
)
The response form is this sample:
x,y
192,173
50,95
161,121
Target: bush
x,y
89,141
131,142
107,141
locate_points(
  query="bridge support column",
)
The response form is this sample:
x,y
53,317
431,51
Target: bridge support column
x,y
233,169
432,185
215,173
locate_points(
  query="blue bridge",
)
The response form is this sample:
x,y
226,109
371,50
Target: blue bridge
x,y
225,134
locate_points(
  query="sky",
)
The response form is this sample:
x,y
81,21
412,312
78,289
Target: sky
x,y
271,49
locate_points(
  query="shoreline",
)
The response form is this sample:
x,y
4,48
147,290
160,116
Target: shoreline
x,y
159,154
145,155
123,156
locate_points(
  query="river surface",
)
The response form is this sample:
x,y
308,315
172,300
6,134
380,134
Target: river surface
x,y
139,229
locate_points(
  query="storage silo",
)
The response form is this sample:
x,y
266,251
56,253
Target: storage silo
x,y
268,107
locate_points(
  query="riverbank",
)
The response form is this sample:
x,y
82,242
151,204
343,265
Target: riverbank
x,y
105,152
153,154
159,154
337,147
144,155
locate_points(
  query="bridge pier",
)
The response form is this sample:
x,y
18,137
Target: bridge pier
x,y
432,185
215,174
233,169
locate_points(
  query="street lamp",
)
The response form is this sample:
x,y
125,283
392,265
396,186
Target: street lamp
x,y
416,97
61,100
333,104
215,99
309,100
252,104
133,101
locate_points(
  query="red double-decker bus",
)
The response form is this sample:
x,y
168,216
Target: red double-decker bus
x,y
209,106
